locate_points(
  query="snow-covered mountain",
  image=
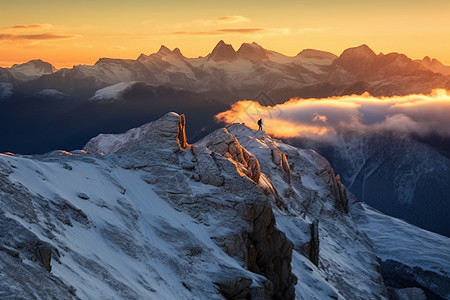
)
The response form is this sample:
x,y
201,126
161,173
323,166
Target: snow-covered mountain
x,y
229,75
112,93
238,215
397,174
32,69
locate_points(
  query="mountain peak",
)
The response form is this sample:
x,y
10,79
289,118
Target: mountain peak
x,y
163,50
311,53
252,51
222,52
33,69
176,52
427,59
359,61
168,131
362,50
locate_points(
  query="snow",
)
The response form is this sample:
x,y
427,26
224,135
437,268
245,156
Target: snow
x,y
137,224
113,92
6,90
51,93
151,276
343,251
32,69
398,240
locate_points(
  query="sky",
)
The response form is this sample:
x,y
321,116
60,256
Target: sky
x,y
67,33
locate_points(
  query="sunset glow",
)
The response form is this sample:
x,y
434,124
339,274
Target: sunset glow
x,y
321,119
66,33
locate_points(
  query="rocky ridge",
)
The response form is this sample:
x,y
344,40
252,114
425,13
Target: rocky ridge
x,y
143,214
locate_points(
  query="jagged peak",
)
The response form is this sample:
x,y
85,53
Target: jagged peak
x,y
163,50
223,52
426,59
434,60
252,51
142,56
177,52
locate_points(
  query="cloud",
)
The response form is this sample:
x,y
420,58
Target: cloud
x,y
33,33
233,19
326,118
118,48
22,27
34,37
223,31
319,118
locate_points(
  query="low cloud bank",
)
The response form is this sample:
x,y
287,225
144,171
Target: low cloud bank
x,y
325,118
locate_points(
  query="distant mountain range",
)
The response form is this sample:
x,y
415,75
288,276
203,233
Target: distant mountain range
x,y
228,75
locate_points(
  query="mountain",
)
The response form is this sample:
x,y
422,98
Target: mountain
x,y
238,215
32,69
399,245
65,108
222,52
311,53
228,75
400,175
435,65
6,76
253,52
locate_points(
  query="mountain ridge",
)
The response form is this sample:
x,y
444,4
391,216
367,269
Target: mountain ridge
x,y
145,215
293,76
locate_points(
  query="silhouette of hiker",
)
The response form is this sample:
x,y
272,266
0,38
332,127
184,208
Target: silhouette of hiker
x,y
260,123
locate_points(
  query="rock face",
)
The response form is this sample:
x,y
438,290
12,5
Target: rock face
x,y
224,143
144,215
169,131
314,244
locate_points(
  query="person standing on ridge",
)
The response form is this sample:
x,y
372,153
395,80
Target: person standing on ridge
x,y
260,124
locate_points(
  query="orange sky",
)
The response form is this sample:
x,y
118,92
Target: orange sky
x,y
66,33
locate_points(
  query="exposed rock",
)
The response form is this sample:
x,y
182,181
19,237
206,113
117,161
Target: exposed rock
x,y
67,166
340,193
166,133
224,143
312,193
83,196
44,253
149,179
235,288
181,136
286,168
206,167
314,243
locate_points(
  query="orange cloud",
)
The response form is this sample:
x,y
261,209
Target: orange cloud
x,y
22,27
33,32
325,119
233,19
33,37
223,31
